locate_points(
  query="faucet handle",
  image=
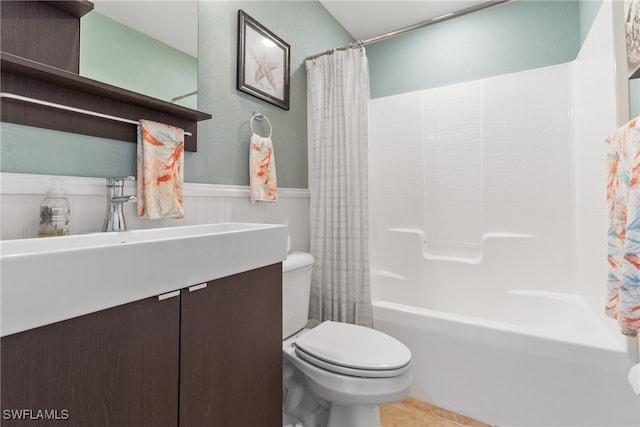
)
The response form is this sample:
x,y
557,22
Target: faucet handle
x,y
119,182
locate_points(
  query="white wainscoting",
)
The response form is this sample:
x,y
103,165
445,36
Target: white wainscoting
x,y
21,195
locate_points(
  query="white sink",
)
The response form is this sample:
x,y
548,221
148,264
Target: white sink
x,y
57,278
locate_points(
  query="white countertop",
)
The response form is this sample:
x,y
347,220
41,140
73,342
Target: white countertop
x,y
47,280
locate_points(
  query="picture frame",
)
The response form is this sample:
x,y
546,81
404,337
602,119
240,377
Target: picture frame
x,y
263,62
632,35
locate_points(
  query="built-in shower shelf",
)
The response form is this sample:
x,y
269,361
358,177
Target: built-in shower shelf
x,y
388,274
456,251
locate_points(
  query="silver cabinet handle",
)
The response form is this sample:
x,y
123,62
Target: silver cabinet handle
x,y
168,295
197,287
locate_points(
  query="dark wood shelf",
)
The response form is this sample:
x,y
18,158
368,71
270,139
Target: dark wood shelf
x,y
77,8
24,77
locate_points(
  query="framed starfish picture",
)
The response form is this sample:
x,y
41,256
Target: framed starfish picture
x,y
263,62
632,30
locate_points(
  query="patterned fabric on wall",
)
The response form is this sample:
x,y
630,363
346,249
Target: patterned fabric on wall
x,y
623,196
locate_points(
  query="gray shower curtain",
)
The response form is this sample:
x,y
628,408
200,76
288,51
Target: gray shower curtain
x,y
337,101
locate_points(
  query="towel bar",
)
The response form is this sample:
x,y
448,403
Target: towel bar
x,y
68,108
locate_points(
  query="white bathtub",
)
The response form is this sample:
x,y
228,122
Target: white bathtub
x,y
515,358
488,242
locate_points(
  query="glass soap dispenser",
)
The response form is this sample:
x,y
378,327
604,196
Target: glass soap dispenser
x,y
55,211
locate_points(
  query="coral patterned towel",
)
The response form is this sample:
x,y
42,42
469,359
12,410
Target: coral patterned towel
x,y
262,170
160,170
623,196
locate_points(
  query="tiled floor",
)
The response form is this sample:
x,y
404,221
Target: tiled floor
x,y
415,413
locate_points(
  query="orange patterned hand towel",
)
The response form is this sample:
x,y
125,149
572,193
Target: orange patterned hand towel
x,y
623,254
263,184
160,170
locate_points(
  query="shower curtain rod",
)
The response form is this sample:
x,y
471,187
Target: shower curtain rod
x,y
410,28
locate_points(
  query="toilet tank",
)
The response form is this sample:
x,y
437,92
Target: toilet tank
x,y
296,285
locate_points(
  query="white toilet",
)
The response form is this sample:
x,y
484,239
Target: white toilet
x,y
335,374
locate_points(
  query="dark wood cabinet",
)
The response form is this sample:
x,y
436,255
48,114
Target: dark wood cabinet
x,y
231,351
46,32
209,357
116,367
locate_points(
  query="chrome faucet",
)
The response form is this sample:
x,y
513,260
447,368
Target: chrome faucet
x,y
114,219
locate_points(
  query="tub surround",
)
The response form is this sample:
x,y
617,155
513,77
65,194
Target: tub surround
x,y
520,155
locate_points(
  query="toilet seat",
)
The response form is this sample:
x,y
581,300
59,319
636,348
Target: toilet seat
x,y
353,350
354,372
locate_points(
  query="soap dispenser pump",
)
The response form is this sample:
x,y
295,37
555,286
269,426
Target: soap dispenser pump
x,y
55,211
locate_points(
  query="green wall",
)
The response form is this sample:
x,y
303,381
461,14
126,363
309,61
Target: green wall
x,y
41,151
588,11
223,141
512,37
309,29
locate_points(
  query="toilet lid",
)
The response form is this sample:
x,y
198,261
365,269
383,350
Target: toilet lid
x,y
353,346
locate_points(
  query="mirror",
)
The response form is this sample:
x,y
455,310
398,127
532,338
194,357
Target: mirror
x,y
147,46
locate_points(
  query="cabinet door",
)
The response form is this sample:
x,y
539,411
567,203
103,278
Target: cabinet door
x,y
231,351
116,367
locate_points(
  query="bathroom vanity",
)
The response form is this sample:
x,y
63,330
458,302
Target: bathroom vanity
x,y
199,353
